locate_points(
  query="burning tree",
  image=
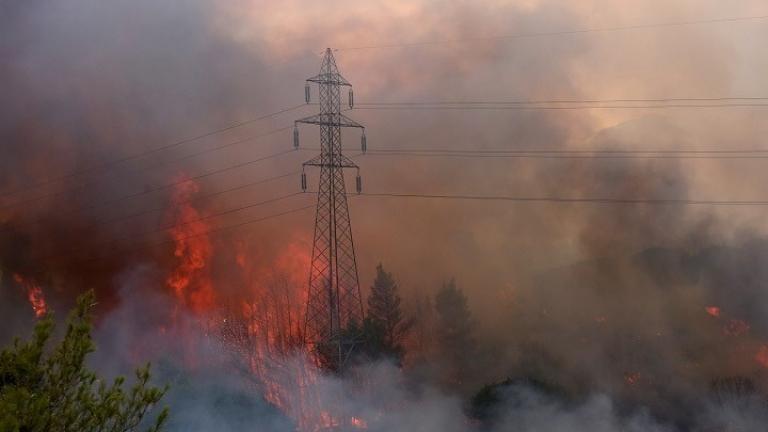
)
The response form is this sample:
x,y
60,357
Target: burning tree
x,y
51,390
262,333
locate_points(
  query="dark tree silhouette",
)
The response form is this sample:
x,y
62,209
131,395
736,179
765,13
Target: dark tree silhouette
x,y
489,404
385,326
454,332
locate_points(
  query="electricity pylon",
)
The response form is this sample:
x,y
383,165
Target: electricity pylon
x,y
334,303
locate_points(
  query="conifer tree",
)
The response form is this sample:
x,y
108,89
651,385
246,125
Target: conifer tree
x,y
384,309
454,332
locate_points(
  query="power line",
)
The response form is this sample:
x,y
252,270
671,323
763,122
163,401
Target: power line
x,y
171,205
145,169
523,199
146,191
592,155
532,107
569,101
200,198
567,151
372,105
190,179
111,163
196,220
217,214
557,33
502,152
210,232
568,200
753,153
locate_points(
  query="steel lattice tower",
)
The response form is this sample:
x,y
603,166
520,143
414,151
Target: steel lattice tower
x,y
334,303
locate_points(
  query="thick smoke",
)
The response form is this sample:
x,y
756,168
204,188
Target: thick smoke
x,y
606,302
88,82
216,393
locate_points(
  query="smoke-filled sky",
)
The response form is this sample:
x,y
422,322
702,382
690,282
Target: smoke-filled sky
x,y
576,285
92,81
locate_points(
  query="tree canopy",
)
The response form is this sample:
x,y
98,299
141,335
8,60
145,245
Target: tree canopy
x,y
454,330
49,389
385,325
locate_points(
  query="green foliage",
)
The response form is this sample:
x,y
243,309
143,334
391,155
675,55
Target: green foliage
x,y
50,390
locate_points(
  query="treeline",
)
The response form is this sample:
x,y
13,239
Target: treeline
x,y
436,335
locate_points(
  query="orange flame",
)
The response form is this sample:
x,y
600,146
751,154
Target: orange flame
x,y
713,311
761,357
34,295
261,321
190,281
359,423
271,311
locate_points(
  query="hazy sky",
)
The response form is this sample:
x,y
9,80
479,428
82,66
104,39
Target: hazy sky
x,y
88,81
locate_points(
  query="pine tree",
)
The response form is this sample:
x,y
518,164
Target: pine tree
x,y
454,332
386,327
48,389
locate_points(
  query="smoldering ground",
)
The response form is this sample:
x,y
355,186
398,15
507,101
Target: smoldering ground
x,y
581,295
217,392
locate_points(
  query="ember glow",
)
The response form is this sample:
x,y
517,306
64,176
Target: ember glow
x,y
34,295
761,357
736,327
358,423
632,378
713,311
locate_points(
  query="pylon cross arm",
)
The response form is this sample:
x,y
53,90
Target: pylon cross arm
x,y
330,78
335,120
343,162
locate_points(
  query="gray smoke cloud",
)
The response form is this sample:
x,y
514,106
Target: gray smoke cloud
x,y
585,296
217,393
